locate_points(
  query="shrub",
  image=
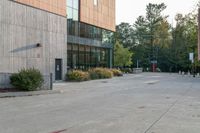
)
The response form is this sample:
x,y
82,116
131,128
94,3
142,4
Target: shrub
x,y
100,73
27,80
77,75
117,72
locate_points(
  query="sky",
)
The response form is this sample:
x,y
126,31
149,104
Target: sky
x,y
129,10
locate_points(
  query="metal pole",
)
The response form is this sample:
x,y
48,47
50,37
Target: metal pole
x,y
193,66
51,81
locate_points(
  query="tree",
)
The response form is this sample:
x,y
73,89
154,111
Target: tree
x,y
152,35
122,56
124,34
185,40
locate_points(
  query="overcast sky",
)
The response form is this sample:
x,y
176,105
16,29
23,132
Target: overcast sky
x,y
129,10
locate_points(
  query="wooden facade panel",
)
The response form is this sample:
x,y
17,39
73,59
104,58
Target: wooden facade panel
x,y
54,6
101,15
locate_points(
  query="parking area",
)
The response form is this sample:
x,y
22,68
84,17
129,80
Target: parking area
x,y
136,103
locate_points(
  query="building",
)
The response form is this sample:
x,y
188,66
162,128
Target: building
x,y
33,33
90,25
55,35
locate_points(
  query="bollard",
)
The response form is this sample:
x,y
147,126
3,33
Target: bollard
x,y
179,72
51,81
183,73
188,73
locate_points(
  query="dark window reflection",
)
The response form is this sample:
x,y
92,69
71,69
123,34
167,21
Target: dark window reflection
x,y
86,56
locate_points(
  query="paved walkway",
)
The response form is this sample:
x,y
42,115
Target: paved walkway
x,y
144,103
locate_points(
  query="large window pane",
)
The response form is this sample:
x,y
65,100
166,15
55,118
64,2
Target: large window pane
x,y
93,57
69,13
75,56
82,30
75,15
69,56
81,57
70,3
76,4
87,54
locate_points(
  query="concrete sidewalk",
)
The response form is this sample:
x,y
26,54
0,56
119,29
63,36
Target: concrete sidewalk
x,y
28,93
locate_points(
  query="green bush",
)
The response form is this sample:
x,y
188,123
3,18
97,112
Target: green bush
x,y
117,72
27,80
100,73
77,75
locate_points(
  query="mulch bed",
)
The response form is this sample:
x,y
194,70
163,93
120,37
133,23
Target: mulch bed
x,y
5,90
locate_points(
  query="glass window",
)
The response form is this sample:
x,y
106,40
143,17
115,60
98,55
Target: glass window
x,y
93,57
75,15
69,13
95,2
75,28
69,27
69,56
82,30
75,47
75,56
87,56
81,57
76,4
70,3
98,56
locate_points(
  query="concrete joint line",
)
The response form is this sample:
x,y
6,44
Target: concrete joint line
x,y
161,116
167,110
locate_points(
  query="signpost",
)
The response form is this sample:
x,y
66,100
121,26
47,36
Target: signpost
x,y
191,58
154,64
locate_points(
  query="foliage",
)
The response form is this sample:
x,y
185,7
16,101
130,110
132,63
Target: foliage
x,y
117,72
77,75
27,79
184,41
152,38
125,34
94,73
122,56
100,73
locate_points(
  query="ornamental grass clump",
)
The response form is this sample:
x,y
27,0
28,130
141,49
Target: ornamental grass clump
x,y
100,73
77,75
117,72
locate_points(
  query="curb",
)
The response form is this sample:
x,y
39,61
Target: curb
x,y
30,93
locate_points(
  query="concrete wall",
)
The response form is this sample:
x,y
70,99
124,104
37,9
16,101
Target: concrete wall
x,y
21,28
5,80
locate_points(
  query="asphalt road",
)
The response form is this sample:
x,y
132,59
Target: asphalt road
x,y
143,103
